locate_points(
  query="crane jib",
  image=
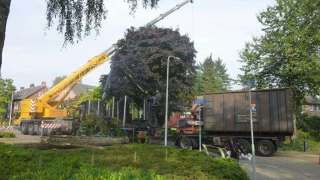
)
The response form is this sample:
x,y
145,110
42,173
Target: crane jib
x,y
97,60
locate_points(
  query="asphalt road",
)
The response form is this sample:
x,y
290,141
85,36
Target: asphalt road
x,y
296,166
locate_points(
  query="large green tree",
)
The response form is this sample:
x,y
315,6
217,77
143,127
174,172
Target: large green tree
x,y
287,55
211,77
138,68
6,89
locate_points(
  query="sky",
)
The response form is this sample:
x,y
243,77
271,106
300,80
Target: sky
x,y
32,53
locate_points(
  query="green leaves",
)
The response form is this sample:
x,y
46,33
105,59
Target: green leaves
x,y
287,55
6,89
211,77
77,18
139,67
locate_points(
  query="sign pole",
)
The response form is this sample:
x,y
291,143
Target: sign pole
x,y
200,129
253,161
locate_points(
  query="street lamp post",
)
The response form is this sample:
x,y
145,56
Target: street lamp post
x,y
253,161
167,98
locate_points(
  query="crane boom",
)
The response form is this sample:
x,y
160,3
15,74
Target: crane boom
x,y
164,15
46,106
98,60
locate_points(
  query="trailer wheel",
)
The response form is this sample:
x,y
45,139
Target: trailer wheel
x,y
244,145
185,143
265,148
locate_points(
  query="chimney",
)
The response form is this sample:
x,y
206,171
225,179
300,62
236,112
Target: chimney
x,y
43,83
31,85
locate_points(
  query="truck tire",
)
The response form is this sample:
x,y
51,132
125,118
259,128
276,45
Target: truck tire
x,y
245,145
185,143
265,148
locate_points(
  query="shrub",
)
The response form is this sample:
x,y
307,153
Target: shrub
x,y
94,124
7,135
115,162
310,124
298,143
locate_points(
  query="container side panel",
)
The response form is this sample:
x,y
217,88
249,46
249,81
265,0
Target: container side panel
x,y
228,112
263,111
274,111
282,111
241,110
213,112
290,110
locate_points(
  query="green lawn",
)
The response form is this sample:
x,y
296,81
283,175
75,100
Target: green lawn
x,y
133,161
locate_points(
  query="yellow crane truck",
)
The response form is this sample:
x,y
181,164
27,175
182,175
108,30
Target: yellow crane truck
x,y
44,114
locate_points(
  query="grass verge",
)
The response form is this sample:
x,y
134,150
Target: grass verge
x,y
313,145
115,162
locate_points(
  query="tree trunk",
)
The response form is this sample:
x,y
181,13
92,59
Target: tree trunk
x,y
4,12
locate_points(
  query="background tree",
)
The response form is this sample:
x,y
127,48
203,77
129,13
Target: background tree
x,y
138,68
211,77
6,89
4,12
58,79
287,55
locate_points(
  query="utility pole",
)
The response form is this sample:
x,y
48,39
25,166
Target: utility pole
x,y
98,108
144,109
124,112
112,113
200,129
167,99
118,118
89,107
253,161
11,104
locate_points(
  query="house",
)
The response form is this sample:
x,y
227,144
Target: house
x,y
311,106
78,90
32,92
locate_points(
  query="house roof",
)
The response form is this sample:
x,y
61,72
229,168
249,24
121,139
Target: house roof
x,y
311,100
25,93
81,88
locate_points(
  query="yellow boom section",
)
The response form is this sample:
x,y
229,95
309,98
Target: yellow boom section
x,y
42,108
76,75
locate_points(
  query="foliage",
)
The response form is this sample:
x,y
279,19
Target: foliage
x,y
58,79
77,18
93,124
6,89
7,135
73,105
4,13
287,55
141,161
297,144
138,68
211,77
310,124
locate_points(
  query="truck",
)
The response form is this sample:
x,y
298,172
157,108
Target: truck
x,y
221,116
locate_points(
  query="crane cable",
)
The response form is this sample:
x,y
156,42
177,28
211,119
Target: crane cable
x,y
192,21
